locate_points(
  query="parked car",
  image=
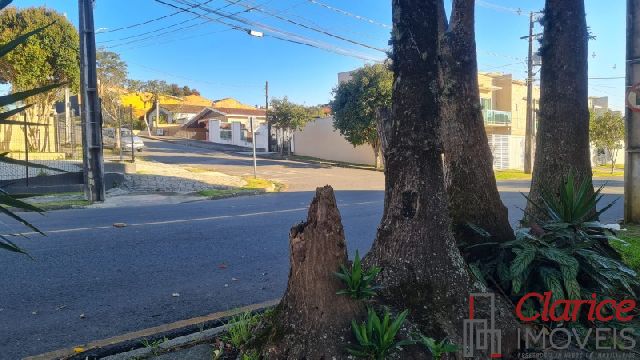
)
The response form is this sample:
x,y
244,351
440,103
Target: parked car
x,y
109,139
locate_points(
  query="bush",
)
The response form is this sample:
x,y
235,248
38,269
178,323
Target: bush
x,y
567,252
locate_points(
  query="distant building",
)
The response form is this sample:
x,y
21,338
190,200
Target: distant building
x,y
174,113
599,104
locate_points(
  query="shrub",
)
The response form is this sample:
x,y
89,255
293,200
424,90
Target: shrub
x,y
567,252
377,337
359,282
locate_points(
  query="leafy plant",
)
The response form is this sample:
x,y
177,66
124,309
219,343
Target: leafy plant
x,y
376,337
572,205
359,282
240,327
567,253
437,348
153,345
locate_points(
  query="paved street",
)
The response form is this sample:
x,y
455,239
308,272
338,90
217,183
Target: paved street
x,y
215,254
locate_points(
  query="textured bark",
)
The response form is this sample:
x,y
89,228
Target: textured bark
x,y
562,141
468,163
313,322
422,269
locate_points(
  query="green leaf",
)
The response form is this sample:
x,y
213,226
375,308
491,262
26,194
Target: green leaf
x,y
6,48
523,259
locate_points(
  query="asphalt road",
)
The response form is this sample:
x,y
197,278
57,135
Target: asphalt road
x,y
216,255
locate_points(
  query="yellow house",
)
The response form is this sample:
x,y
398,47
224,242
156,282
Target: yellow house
x,y
504,103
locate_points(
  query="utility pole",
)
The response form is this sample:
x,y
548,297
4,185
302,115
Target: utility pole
x,y
529,129
67,115
91,116
157,109
266,111
632,118
253,141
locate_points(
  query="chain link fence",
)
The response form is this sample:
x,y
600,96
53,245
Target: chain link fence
x,y
40,146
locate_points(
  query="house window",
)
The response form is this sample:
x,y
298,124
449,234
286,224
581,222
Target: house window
x,y
486,103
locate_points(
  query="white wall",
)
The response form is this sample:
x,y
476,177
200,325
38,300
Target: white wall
x,y
236,135
318,139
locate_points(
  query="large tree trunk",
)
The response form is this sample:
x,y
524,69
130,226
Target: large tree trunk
x,y
562,141
469,179
312,321
422,269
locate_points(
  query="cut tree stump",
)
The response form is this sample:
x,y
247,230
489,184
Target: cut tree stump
x,y
312,321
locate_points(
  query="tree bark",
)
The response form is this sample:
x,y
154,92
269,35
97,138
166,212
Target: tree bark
x,y
562,141
422,268
312,321
469,179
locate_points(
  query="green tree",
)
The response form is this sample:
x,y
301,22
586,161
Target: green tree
x,y
606,132
356,103
112,79
16,103
49,56
287,116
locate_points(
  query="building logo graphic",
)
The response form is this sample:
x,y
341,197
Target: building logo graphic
x,y
481,334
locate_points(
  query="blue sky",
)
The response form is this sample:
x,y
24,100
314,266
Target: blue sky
x,y
222,62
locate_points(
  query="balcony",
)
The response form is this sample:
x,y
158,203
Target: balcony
x,y
495,117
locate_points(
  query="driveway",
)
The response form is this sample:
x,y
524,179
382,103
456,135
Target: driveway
x,y
297,176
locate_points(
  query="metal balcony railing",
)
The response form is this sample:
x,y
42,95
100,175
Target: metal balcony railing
x,y
495,117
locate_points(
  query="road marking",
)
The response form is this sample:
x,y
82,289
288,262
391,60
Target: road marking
x,y
178,221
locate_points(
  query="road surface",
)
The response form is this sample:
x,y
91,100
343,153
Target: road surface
x,y
90,280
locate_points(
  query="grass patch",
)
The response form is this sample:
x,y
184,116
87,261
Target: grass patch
x,y
605,171
222,193
62,204
258,183
511,175
631,252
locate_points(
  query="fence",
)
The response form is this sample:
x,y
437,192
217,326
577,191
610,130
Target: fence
x,y
41,146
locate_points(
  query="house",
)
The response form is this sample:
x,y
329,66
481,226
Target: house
x,y
179,114
503,101
228,125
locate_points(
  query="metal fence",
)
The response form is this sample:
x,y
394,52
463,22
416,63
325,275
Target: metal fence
x,y
40,146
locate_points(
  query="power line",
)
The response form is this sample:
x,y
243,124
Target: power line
x,y
324,32
489,5
155,34
281,35
346,13
146,22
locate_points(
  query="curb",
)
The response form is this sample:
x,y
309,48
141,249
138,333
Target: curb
x,y
184,329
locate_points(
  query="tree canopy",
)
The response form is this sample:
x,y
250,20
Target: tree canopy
x,y
356,102
606,131
49,56
284,114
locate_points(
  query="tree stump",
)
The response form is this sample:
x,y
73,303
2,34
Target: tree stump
x,y
312,321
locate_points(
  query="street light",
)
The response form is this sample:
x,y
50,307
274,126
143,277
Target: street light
x,y
255,33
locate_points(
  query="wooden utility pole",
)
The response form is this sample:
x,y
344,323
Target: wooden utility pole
x,y
266,115
91,116
632,118
529,128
